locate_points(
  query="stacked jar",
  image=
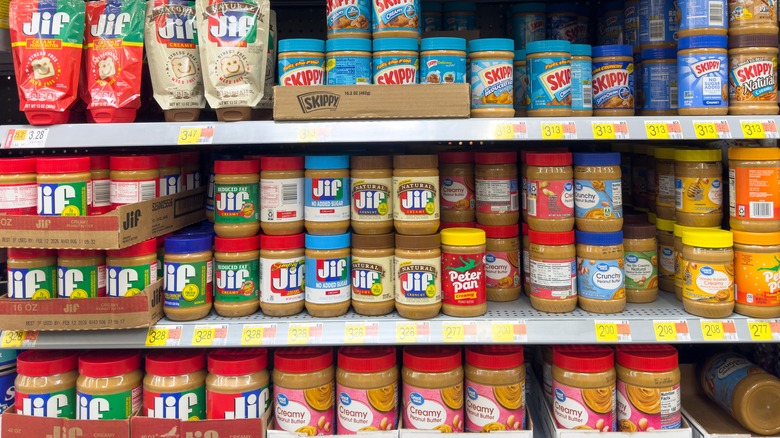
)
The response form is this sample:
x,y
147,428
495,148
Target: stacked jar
x,y
492,77
708,273
702,75
549,97
456,180
301,62
613,80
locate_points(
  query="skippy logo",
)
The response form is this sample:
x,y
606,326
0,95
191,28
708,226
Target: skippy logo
x,y
331,270
24,283
287,278
557,81
367,278
609,77
756,77
173,405
496,79
706,67
232,23
396,72
334,5
370,199
418,281
54,200
46,23
303,72
327,189
417,198
388,10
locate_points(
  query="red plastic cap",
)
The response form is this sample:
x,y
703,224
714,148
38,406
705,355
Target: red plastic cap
x,y
100,161
495,357
499,231
281,163
175,362
169,160
445,225
135,162
42,363
139,249
650,358
495,157
559,238
79,253
27,253
584,358
548,159
433,359
63,165
238,362
281,243
366,359
236,167
303,360
456,157
242,244
14,166
108,363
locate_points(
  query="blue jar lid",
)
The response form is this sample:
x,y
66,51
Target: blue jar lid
x,y
529,7
569,8
324,162
596,159
613,50
301,45
460,6
395,44
355,44
7,357
581,50
490,44
659,54
702,42
188,243
548,46
520,55
431,7
328,242
587,238
444,43
205,227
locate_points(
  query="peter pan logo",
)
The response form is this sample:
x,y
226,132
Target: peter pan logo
x,y
772,276
318,101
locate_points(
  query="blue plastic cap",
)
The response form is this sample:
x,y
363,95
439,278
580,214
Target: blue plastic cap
x,y
204,227
431,7
548,46
395,44
444,43
659,54
520,55
553,8
188,243
613,50
324,162
460,6
301,45
529,7
596,159
581,50
702,42
328,242
355,44
587,238
492,44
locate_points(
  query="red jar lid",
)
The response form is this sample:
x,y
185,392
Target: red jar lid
x,y
13,166
175,362
445,225
28,253
238,362
456,157
135,162
651,358
108,363
548,159
79,253
496,157
169,160
584,358
499,231
42,363
100,161
63,165
281,243
366,359
242,244
303,360
281,163
236,167
559,238
432,359
495,357
139,249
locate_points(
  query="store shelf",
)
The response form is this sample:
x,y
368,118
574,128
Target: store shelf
x,y
391,131
514,322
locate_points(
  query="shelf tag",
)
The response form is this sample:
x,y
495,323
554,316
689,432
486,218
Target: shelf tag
x,y
254,335
610,130
613,331
164,336
759,129
209,335
764,330
19,339
361,333
412,332
711,129
663,130
304,334
671,331
196,135
559,131
26,138
453,332
511,131
724,330
509,331
311,134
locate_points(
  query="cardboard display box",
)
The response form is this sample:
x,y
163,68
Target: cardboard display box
x,y
372,102
22,426
142,310
145,427
123,227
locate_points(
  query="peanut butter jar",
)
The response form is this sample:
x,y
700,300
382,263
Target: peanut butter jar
x,y
456,179
304,389
433,376
416,207
553,271
502,262
367,381
373,279
282,282
600,265
371,181
584,382
495,376
641,262
708,273
418,292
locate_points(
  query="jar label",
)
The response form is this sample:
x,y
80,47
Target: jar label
x,y
19,198
710,283
723,375
255,403
32,283
59,404
703,81
520,84
367,409
372,200
328,280
443,69
395,70
550,82
210,193
524,193
754,193
372,279
502,269
101,192
598,199
282,200
581,85
188,284
130,280
665,261
396,15
526,267
433,409
349,17
63,199
613,85
417,281
492,83
641,269
326,199
698,195
600,279
576,408
703,15
757,279
307,411
528,27
753,78
744,13
237,282
118,406
170,184
657,21
463,279
236,203
282,280
301,71
130,192
659,90
348,70
553,280
185,405
666,191
642,409
679,267
416,199
498,408
457,193
550,199
81,281
497,196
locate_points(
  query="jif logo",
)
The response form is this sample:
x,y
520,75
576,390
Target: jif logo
x,y
53,198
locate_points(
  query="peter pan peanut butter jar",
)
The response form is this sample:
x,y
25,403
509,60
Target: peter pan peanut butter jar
x,y
433,388
367,389
495,388
46,383
304,391
175,385
757,274
110,385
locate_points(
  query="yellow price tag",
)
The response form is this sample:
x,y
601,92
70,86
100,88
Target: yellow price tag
x,y
603,131
252,336
355,334
203,337
705,130
503,332
657,131
189,135
606,332
760,330
453,332
307,135
504,131
298,335
712,331
552,131
12,339
20,135
406,333
665,331
157,337
753,129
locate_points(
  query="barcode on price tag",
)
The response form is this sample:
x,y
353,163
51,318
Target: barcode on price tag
x,y
254,335
304,334
511,131
196,135
19,339
209,335
758,129
610,130
508,331
724,330
711,129
764,330
663,129
613,331
671,331
26,138
412,332
361,333
559,131
164,336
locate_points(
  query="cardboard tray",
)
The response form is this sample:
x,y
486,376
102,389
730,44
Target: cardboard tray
x,y
142,310
145,427
22,426
123,227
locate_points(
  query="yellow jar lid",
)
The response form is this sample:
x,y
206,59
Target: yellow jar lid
x,y
680,229
765,239
462,237
652,218
708,238
664,153
664,225
697,155
754,154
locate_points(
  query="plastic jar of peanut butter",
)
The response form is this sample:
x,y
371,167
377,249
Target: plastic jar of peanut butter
x,y
491,63
130,270
301,62
463,272
641,262
432,17
745,17
679,264
18,188
175,385
497,191
328,279
460,16
396,61
659,70
238,384
189,268
281,191
236,198
699,187
190,170
237,276
371,181
708,273
581,80
613,81
326,195
110,385
433,388
400,19
134,178
46,383
598,197
418,275
753,72
210,183
456,180
755,281
170,174
366,389
101,184
348,61
81,273
373,279
550,191
495,379
666,261
702,17
754,188
584,381
526,257
416,209
702,71
282,282
664,183
443,61
520,83
502,262
32,274
600,265
563,22
528,23
553,271
63,186
304,390
549,78
348,19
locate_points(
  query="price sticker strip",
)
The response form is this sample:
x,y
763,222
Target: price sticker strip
x,y
613,331
663,130
412,332
304,334
764,330
559,130
210,335
724,330
255,335
711,130
164,336
511,131
459,332
759,129
19,339
26,138
196,135
508,331
361,333
312,134
671,331
610,130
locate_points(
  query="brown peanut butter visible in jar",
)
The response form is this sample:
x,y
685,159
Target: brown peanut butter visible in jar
x,y
238,384
456,180
134,178
463,272
112,381
326,189
598,196
32,274
170,173
754,189
416,209
188,273
305,379
236,198
755,281
550,191
373,279
699,187
502,262
418,291
708,273
44,376
495,377
641,262
613,82
328,278
175,375
679,263
753,72
553,271
600,268
281,191
237,276
584,384
434,375
367,385
665,238
497,188
664,183
282,266
64,186
18,189
81,273
371,181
